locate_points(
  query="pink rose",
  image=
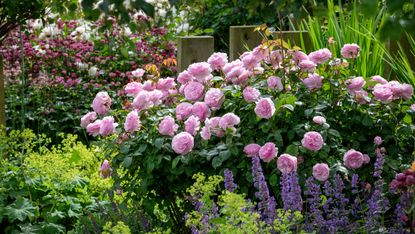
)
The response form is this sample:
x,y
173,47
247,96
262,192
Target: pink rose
x,y
214,98
133,88
320,56
350,51
192,125
300,56
353,159
250,61
307,66
138,73
213,125
268,152
155,97
182,143
379,80
321,171
412,107
355,84
361,96
193,91
105,169
185,77
274,82
149,85
217,61
312,141
366,159
319,120
378,140
229,120
167,126
252,149
200,71
265,108
201,110
183,110
404,91
165,84
107,126
383,92
88,118
101,103
205,133
93,128
251,94
142,100
287,163
132,122
314,81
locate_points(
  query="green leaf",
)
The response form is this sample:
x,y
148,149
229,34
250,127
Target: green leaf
x,y
124,52
125,148
175,161
334,132
75,156
407,119
127,162
273,180
20,209
217,162
292,150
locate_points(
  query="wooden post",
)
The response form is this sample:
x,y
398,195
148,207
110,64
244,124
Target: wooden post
x,y
193,49
241,39
2,95
293,38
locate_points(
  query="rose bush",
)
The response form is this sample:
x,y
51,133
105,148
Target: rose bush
x,y
318,121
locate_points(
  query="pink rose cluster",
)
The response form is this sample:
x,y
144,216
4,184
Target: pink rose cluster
x,y
312,141
267,152
392,90
313,81
218,126
354,159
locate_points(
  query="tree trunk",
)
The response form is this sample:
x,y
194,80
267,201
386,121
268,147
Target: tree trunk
x,y
2,98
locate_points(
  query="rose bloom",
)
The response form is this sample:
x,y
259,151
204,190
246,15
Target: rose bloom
x,y
265,108
378,140
192,125
167,126
200,70
350,50
107,126
183,110
88,118
312,141
133,88
132,122
361,96
251,94
353,159
252,149
314,81
214,98
218,60
274,82
229,120
355,84
105,170
404,91
319,120
193,91
101,103
379,79
366,159
413,107
138,73
213,125
93,128
142,100
165,84
205,133
201,110
307,66
321,171
383,92
287,163
149,85
300,56
185,77
320,56
268,152
182,143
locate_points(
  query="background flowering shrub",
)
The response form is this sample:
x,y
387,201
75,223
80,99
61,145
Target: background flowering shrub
x,y
312,127
57,67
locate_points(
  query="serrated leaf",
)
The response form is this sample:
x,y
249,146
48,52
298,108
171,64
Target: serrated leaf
x,y
127,162
334,132
75,156
292,150
20,209
175,162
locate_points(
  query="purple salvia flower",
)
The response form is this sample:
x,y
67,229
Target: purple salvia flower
x,y
355,181
356,206
266,205
313,193
380,160
295,193
377,204
229,184
341,203
285,190
401,215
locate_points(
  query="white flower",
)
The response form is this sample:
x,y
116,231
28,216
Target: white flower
x,y
93,71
